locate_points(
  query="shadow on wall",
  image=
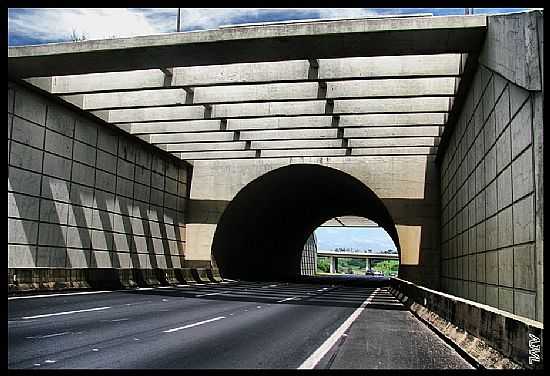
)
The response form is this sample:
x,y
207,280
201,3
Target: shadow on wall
x,y
261,234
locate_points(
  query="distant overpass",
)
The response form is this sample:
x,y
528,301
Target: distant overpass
x,y
333,256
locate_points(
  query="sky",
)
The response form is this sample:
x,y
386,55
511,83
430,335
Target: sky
x,y
38,26
363,238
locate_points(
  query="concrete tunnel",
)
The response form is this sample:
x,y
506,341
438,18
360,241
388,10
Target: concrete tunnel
x,y
261,233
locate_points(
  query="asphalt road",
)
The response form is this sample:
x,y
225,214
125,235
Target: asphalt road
x,y
234,325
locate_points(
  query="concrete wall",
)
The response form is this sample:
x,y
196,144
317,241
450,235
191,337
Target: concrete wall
x,y
81,195
491,187
407,185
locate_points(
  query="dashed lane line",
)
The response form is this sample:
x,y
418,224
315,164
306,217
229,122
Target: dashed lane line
x,y
193,325
64,313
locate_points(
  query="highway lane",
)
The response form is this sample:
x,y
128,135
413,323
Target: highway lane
x,y
237,325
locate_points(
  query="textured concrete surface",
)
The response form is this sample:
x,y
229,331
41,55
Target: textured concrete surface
x,y
81,195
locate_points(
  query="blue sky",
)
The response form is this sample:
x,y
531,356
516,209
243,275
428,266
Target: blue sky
x,y
38,26
364,238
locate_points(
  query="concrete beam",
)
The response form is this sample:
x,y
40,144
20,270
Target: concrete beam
x,y
274,109
297,144
384,120
421,131
175,126
349,221
394,151
303,153
206,146
289,134
294,41
392,87
395,142
190,137
130,99
217,154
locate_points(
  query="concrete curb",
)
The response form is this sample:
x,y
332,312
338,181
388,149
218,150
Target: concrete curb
x,y
200,275
491,337
185,276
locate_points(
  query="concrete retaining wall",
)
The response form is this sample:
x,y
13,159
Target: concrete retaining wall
x,y
82,195
491,182
492,337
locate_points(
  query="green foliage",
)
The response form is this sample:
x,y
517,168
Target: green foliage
x,y
323,265
387,267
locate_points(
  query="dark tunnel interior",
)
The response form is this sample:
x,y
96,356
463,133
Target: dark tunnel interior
x,y
261,234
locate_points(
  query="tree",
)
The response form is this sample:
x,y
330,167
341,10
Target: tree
x,y
76,38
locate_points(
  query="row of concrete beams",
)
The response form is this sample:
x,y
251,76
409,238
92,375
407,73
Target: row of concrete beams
x,y
265,43
349,221
256,73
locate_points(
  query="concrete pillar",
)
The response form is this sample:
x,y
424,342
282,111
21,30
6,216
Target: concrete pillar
x,y
367,264
333,264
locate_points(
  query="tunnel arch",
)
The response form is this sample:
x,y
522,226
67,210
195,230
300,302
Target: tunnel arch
x,y
261,233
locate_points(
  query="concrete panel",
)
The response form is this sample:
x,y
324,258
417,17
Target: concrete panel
x,y
21,256
53,211
492,267
56,166
105,181
524,267
84,153
524,304
22,231
83,174
51,257
26,157
78,258
58,144
52,234
505,227
506,267
55,189
393,151
27,133
521,131
522,174
22,206
406,141
491,233
296,144
504,188
524,226
30,106
61,120
86,131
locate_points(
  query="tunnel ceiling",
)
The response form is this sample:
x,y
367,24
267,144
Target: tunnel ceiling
x,y
262,232
323,88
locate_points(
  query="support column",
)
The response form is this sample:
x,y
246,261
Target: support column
x,y
367,264
333,264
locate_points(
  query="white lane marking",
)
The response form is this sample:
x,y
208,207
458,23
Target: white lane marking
x,y
314,358
259,306
64,313
183,285
164,300
53,295
50,361
212,293
36,364
49,335
287,299
165,287
95,349
117,320
195,324
144,288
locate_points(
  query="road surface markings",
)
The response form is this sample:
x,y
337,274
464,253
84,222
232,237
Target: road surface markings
x,y
314,358
48,336
64,313
53,295
210,294
193,325
287,299
144,288
50,361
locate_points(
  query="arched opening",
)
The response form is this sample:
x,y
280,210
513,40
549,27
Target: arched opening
x,y
262,232
352,246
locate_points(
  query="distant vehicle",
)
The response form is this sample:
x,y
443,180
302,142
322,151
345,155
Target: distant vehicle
x,y
378,273
369,272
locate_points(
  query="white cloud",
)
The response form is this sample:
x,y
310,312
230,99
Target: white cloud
x,y
52,25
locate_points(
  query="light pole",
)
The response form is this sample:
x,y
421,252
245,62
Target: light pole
x,y
178,28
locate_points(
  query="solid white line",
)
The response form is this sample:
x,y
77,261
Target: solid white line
x,y
195,324
314,358
64,313
52,295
